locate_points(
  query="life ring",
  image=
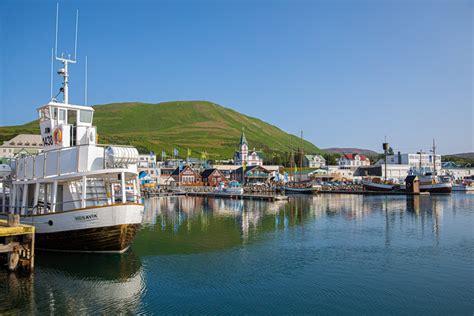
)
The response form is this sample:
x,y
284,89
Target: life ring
x,y
58,135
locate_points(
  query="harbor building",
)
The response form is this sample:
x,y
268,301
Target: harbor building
x,y
252,174
314,161
147,168
242,156
353,160
27,144
394,171
212,177
413,160
186,176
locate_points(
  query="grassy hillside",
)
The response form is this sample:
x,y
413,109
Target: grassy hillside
x,y
198,125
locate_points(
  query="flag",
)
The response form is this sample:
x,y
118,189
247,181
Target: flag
x,y
189,152
286,177
163,155
296,169
175,152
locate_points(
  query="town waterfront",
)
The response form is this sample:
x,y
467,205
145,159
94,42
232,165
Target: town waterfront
x,y
326,254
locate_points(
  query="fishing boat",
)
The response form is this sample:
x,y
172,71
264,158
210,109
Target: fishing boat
x,y
300,186
75,191
430,182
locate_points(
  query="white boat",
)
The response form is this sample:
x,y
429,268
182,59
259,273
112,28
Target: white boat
x,y
466,186
302,188
74,191
431,183
233,188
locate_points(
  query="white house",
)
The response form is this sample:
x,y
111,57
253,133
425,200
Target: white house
x,y
413,160
147,167
243,156
353,160
314,161
22,143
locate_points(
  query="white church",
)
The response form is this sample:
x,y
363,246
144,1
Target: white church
x,y
242,155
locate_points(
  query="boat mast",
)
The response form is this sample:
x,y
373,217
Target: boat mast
x,y
385,149
433,150
301,157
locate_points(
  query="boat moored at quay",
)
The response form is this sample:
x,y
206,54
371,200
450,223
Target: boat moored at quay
x,y
79,195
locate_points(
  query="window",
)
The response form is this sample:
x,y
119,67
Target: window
x,y
62,114
85,116
55,113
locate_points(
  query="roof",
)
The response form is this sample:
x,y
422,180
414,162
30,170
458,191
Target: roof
x,y
175,172
206,173
311,157
352,156
22,140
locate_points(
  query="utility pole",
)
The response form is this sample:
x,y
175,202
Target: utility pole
x,y
433,150
385,149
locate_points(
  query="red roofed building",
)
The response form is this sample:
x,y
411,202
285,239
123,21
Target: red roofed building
x,y
353,160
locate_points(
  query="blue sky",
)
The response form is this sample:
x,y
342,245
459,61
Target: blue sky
x,y
346,72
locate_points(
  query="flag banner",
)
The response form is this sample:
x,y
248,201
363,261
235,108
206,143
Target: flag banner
x,y
189,152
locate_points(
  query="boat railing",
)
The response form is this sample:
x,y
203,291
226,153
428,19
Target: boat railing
x,y
68,160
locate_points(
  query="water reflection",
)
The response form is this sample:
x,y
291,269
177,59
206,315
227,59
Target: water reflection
x,y
212,250
196,224
75,283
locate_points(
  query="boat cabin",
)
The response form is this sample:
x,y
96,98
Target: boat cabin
x,y
66,125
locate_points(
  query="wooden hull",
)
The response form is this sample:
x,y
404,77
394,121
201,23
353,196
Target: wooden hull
x,y
104,239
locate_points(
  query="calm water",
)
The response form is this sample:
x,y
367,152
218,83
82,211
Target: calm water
x,y
329,254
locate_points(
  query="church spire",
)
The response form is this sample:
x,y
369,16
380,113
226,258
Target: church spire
x,y
243,140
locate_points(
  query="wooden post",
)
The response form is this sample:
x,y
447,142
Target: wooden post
x,y
13,220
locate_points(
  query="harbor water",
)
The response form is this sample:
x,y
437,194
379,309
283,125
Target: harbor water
x,y
327,254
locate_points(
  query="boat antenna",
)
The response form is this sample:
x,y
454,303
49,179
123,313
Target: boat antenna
x,y
51,83
85,85
65,61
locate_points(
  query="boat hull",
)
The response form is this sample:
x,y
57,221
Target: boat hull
x,y
370,186
436,188
109,228
103,239
290,190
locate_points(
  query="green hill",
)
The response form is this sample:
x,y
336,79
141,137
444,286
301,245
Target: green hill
x,y
198,125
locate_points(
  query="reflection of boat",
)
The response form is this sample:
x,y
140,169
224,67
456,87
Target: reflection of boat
x,y
68,191
234,188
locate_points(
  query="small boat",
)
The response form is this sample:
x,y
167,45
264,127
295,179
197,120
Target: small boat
x,y
301,188
467,185
378,185
233,188
431,183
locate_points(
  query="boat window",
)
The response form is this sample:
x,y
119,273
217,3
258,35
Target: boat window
x,y
85,116
62,114
44,114
72,117
55,113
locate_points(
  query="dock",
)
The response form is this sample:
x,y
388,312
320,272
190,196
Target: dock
x,y
245,196
17,244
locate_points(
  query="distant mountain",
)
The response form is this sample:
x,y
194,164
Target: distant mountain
x,y
463,155
341,150
197,125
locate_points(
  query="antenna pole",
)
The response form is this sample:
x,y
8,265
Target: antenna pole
x,y
434,157
57,23
75,42
51,84
85,86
